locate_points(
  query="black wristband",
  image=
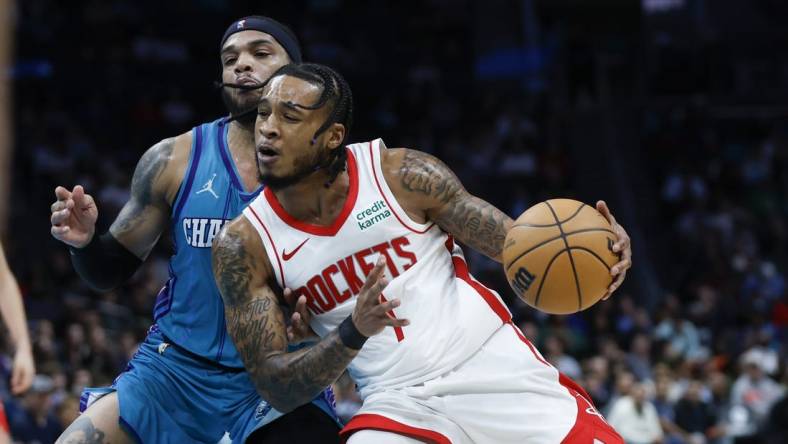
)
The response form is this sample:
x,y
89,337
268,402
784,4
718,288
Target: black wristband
x,y
104,263
349,334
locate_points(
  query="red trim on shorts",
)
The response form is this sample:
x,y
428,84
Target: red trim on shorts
x,y
461,271
270,239
570,384
4,420
321,230
530,346
377,182
367,421
589,425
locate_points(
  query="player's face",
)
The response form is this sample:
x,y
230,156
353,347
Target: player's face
x,y
284,132
249,58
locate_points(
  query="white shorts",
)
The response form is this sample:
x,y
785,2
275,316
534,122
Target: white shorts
x,y
505,393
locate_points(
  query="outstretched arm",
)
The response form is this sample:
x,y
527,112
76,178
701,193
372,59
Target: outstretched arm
x,y
257,324
428,190
13,312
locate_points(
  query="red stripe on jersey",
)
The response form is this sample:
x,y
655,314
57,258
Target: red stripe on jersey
x,y
397,330
528,343
378,422
377,182
270,239
461,270
321,230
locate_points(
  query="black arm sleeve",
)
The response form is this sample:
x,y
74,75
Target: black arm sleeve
x,y
104,263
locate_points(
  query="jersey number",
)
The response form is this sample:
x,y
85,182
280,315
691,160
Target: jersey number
x,y
397,330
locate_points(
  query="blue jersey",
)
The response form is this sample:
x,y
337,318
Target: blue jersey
x,y
189,309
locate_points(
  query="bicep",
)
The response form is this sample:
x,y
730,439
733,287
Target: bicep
x,y
424,183
143,218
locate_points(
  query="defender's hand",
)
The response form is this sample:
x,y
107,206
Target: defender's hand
x,y
23,371
299,329
73,217
372,314
622,247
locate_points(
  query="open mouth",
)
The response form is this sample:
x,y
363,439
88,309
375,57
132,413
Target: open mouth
x,y
266,155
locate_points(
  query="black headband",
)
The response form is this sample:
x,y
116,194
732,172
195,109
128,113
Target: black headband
x,y
283,35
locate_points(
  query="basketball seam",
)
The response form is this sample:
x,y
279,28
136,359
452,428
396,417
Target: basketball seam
x,y
571,259
584,230
594,254
558,222
544,275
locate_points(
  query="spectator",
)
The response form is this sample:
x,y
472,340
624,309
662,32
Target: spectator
x,y
754,389
635,418
695,417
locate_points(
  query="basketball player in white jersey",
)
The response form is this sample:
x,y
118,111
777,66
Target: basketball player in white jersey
x,y
364,236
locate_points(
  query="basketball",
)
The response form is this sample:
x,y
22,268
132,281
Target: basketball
x,y
558,254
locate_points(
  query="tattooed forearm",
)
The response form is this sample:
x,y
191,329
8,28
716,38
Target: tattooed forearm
x,y
470,219
257,326
149,169
286,380
476,223
232,267
82,431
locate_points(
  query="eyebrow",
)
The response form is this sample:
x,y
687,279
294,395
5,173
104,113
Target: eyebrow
x,y
292,105
258,42
289,105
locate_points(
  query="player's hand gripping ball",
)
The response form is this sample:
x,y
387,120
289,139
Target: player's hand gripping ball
x,y
558,254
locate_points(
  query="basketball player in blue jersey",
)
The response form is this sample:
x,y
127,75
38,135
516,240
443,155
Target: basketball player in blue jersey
x,y
187,383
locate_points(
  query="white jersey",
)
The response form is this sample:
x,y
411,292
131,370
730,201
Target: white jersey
x,y
451,314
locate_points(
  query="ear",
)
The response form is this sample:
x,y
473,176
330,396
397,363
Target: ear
x,y
335,135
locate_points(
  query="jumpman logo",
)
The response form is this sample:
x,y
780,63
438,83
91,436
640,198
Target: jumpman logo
x,y
241,24
209,187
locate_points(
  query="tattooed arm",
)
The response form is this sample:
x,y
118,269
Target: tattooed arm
x,y
257,324
106,261
428,190
156,180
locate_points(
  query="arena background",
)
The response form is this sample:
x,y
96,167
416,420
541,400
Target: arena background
x,y
674,111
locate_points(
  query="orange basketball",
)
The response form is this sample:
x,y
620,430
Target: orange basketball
x,y
558,256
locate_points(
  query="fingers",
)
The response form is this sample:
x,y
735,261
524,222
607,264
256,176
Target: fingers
x,y
59,231
63,202
78,194
375,275
300,309
21,378
623,242
288,295
621,267
62,193
58,217
614,286
619,271
601,206
387,309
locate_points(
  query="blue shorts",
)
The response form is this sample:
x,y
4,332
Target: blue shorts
x,y
167,395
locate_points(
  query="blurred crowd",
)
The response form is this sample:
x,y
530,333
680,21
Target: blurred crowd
x,y
705,363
